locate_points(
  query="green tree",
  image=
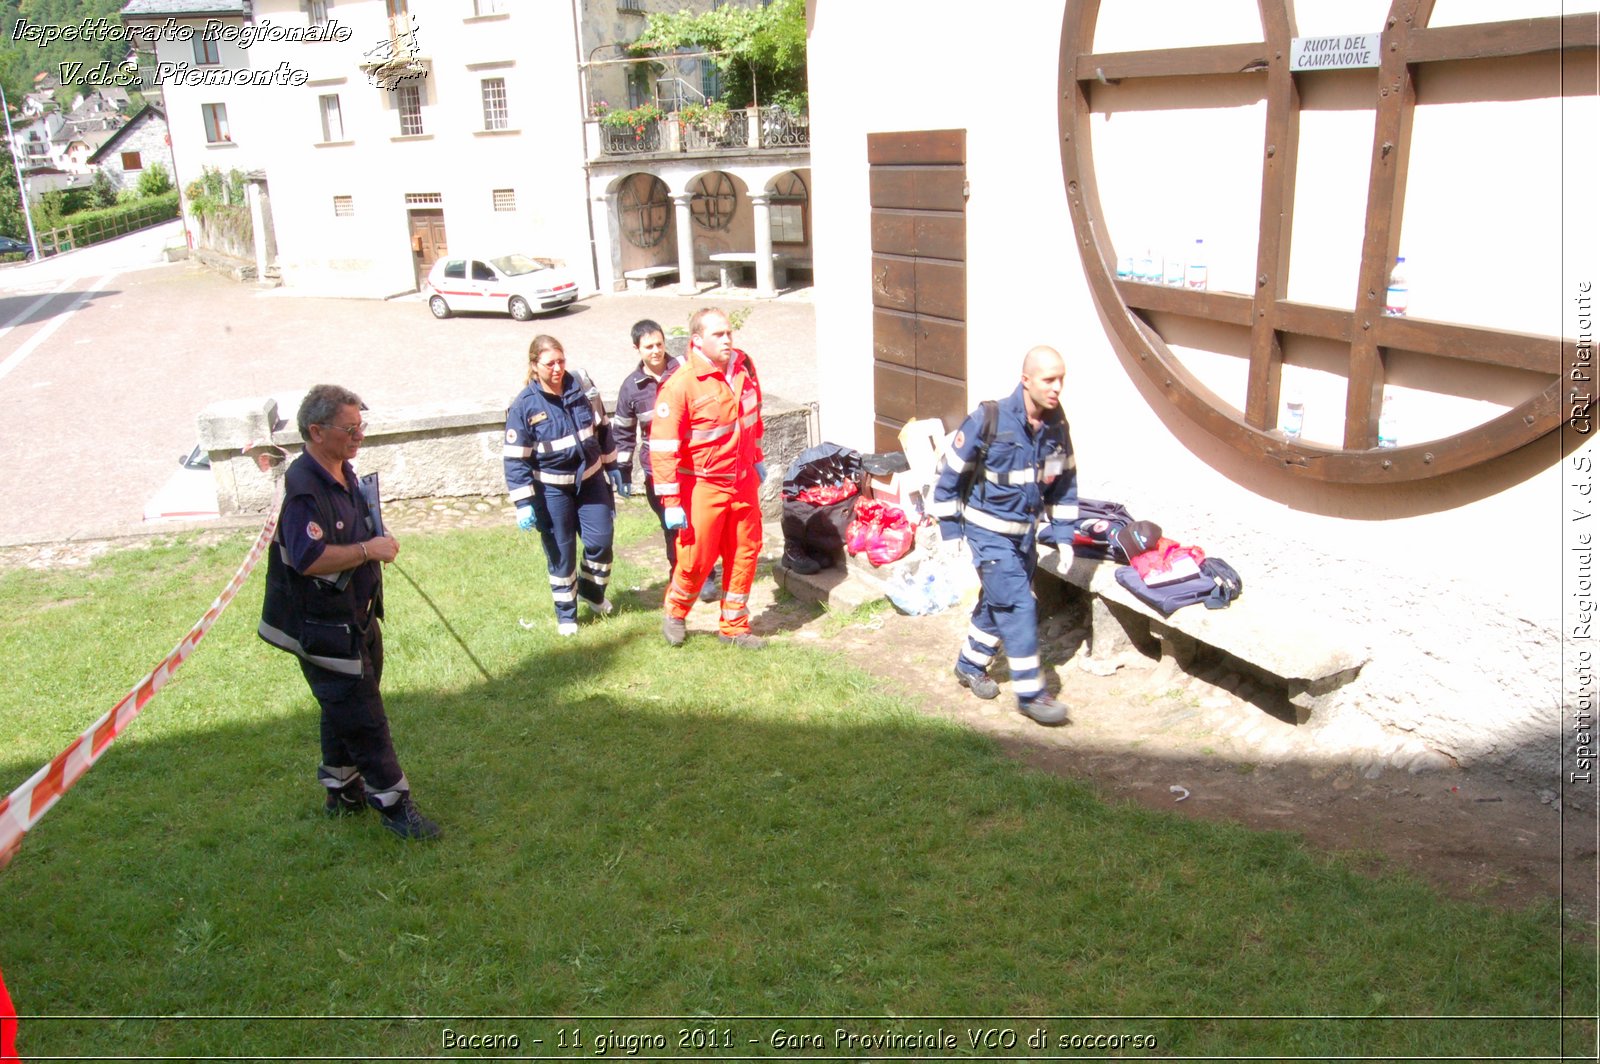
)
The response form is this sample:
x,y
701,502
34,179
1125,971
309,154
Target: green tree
x,y
764,48
50,210
155,181
104,193
11,220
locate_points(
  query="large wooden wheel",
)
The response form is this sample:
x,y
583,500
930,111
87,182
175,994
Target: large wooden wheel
x,y
1267,313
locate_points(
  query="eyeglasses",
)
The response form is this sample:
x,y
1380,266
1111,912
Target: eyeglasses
x,y
349,430
552,365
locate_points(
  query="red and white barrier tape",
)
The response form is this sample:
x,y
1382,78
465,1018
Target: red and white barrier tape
x,y
23,808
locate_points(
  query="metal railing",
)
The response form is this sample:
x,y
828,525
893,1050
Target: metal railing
x,y
732,130
773,128
673,93
780,129
630,140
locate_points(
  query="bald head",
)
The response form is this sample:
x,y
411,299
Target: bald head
x,y
1043,372
1043,361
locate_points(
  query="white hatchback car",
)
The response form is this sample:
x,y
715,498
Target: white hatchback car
x,y
512,284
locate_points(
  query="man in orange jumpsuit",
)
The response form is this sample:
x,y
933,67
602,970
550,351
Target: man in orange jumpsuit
x,y
705,449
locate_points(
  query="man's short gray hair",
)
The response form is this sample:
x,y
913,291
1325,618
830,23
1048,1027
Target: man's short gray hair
x,y
320,405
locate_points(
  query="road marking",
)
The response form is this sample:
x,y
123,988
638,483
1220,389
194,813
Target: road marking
x,y
15,358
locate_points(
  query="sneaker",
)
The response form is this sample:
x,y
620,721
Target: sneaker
x,y
567,628
347,800
602,608
406,820
1044,710
798,561
746,641
979,683
674,630
711,590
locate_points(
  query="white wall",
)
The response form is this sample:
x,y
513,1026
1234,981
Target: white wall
x,y
1456,582
278,129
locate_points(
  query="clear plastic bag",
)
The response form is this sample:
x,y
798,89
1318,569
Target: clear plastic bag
x,y
929,584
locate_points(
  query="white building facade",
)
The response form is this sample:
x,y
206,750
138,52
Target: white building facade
x,y
412,129
1461,583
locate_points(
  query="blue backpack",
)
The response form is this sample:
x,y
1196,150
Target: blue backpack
x,y
1216,585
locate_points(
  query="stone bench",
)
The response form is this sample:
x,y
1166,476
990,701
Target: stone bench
x,y
645,277
793,265
1311,655
729,261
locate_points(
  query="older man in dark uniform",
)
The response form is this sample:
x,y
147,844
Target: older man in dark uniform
x,y
324,597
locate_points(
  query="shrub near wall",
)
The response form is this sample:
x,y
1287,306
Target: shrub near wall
x,y
92,227
217,201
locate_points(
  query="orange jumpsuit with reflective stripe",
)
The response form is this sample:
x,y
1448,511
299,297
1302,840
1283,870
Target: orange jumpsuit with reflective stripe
x,y
704,443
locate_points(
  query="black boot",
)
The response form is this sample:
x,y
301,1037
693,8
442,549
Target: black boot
x,y
798,561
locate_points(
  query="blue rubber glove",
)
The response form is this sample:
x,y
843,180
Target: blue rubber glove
x,y
528,519
761,471
618,485
675,517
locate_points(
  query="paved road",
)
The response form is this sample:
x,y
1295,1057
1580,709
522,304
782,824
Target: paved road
x,y
107,355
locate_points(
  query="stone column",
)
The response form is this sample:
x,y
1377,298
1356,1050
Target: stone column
x,y
761,204
258,226
683,227
612,225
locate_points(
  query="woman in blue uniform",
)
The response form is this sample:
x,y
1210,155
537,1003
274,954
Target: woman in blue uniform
x,y
557,450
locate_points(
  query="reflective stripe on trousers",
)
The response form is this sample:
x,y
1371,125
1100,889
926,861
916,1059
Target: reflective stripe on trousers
x,y
724,525
1006,613
586,514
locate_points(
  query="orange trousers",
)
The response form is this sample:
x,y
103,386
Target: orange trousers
x,y
725,525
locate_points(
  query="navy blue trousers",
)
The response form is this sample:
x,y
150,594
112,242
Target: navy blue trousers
x,y
671,534
1006,614
355,729
587,513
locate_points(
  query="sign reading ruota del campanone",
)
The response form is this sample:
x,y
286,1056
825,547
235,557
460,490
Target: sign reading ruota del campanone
x,y
1345,52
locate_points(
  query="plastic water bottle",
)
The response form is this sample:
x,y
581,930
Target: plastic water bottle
x,y
1173,277
1196,271
1389,421
1399,295
1125,268
1294,416
1147,270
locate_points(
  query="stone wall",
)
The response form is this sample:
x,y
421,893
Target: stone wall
x,y
451,450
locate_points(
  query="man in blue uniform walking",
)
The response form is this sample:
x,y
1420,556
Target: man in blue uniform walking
x,y
1027,474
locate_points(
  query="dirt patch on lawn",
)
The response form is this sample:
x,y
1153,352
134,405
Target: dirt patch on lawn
x,y
1209,743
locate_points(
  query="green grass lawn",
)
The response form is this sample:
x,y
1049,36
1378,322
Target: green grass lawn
x,y
637,831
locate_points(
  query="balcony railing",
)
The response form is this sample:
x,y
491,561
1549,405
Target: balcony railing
x,y
780,129
732,130
630,140
745,129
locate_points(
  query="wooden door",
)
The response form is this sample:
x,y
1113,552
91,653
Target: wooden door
x,y
919,279
428,243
